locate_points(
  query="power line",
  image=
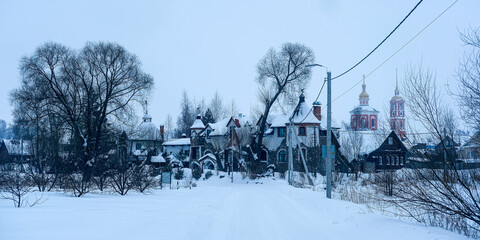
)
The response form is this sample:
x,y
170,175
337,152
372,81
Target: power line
x,y
316,99
385,39
408,42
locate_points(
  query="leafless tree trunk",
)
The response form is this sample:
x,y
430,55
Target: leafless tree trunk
x,y
281,75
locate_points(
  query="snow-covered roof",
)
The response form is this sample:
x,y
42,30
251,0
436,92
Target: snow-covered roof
x,y
198,124
243,120
178,142
277,120
220,127
146,130
18,147
303,113
157,159
364,108
208,155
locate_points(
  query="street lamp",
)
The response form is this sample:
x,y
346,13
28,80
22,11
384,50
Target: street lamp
x,y
328,160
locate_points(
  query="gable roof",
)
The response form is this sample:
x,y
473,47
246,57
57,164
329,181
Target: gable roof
x,y
18,147
178,142
396,141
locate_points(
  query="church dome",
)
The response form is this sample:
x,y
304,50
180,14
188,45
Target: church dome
x,y
397,98
364,95
146,130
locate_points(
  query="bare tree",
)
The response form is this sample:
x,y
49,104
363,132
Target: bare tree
x,y
468,76
281,75
169,128
14,186
217,108
351,143
432,192
87,89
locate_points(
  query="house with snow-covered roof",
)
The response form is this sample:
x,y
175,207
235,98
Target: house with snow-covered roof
x,y
145,141
308,136
15,151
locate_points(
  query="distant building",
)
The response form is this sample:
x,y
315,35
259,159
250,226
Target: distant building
x,y
308,131
15,151
391,155
363,117
145,141
397,114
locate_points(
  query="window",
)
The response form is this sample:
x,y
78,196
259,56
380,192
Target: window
x,y
401,161
390,140
373,122
364,122
138,146
282,156
388,160
393,113
397,160
281,132
380,161
302,131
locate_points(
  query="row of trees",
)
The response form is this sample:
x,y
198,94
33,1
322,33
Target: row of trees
x,y
73,105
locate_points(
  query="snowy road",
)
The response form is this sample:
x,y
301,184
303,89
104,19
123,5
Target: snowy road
x,y
214,210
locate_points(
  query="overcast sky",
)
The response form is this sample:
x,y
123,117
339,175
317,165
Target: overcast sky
x,y
204,46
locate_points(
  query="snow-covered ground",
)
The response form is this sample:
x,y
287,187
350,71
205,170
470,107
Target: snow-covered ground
x,y
216,209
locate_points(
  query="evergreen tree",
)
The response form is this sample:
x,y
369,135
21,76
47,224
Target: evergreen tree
x,y
208,117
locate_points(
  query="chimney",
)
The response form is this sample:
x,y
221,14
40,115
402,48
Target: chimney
x,y
162,132
317,110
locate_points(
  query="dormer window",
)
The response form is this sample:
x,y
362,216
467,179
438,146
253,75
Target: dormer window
x,y
281,132
390,140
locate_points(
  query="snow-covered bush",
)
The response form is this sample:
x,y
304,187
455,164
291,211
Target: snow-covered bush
x,y
178,174
197,173
208,174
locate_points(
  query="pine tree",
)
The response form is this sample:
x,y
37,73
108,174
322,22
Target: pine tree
x,y
208,117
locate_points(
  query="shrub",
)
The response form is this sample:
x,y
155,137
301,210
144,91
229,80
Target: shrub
x,y
208,174
197,173
179,174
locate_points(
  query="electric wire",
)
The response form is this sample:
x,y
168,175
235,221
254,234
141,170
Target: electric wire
x,y
385,39
395,53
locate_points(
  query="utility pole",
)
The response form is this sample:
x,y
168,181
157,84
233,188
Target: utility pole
x,y
290,155
445,163
328,160
329,135
231,137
